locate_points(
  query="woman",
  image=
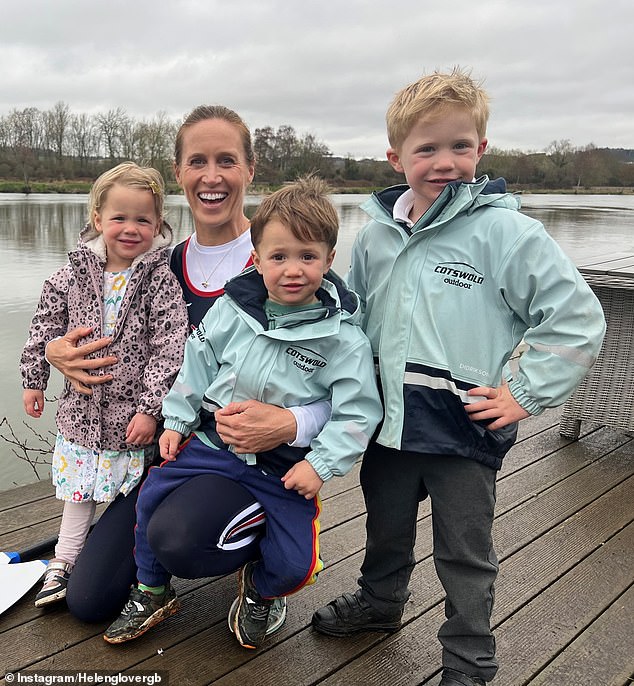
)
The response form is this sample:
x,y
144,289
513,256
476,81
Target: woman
x,y
214,164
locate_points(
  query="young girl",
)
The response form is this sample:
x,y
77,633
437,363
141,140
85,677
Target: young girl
x,y
118,281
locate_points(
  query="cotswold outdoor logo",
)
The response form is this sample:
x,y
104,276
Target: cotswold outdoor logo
x,y
459,274
305,359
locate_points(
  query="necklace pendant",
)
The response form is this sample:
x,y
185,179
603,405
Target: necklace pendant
x,y
205,284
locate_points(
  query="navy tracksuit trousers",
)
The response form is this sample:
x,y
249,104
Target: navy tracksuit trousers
x,y
288,541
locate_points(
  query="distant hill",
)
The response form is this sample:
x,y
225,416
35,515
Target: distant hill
x,y
621,154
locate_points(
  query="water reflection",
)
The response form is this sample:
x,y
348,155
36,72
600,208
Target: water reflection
x,y
37,231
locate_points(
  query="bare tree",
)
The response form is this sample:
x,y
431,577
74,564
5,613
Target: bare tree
x,y
285,147
263,145
84,137
312,155
560,152
129,137
156,142
110,125
56,123
26,134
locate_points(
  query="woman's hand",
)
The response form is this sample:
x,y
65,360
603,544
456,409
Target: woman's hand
x,y
499,405
303,478
66,355
254,427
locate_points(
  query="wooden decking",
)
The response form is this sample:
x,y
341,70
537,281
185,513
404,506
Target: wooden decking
x,y
564,611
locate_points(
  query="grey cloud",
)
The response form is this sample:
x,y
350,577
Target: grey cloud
x,y
329,68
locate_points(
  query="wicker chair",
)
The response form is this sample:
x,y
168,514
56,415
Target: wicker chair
x,y
606,395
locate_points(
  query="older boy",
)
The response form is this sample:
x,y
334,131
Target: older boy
x,y
456,277
284,333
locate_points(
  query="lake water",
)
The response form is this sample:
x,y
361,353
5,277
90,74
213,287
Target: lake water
x,y
37,231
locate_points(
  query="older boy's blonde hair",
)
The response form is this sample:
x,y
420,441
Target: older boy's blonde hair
x,y
431,94
303,207
130,175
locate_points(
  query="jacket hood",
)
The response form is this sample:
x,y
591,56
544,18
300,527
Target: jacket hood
x,y
249,292
91,239
458,196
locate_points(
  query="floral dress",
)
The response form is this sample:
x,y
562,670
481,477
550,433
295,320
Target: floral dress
x,y
80,473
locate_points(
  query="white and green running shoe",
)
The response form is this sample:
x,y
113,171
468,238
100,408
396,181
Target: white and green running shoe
x,y
277,615
251,616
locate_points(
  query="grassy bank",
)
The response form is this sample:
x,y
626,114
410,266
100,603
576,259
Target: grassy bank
x,y
83,186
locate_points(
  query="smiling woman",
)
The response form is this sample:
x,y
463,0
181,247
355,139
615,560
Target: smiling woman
x,y
214,165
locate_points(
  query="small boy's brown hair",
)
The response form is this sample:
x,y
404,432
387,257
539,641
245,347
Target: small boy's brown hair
x,y
303,207
431,94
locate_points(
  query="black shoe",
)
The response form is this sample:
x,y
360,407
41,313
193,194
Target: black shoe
x,y
142,612
252,614
350,614
452,678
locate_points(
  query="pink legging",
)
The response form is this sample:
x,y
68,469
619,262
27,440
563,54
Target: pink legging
x,y
76,520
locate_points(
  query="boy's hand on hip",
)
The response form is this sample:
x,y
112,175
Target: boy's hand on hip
x,y
498,405
303,478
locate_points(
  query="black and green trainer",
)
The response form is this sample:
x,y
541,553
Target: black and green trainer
x,y
142,612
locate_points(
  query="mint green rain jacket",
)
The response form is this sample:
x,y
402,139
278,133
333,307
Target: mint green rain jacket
x,y
446,304
311,355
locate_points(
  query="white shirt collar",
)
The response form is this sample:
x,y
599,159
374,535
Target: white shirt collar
x,y
402,208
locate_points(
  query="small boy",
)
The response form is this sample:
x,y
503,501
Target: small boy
x,y
284,333
452,278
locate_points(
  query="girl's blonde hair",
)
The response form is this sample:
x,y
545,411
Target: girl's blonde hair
x,y
432,94
130,175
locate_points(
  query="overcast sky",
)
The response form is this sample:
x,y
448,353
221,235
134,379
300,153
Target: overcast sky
x,y
554,70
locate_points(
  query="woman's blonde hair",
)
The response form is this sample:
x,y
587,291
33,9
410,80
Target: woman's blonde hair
x,y
303,207
130,175
433,94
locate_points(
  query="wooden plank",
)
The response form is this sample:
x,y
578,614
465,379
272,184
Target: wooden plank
x,y
540,630
198,646
607,262
29,514
601,654
40,641
537,424
319,659
26,494
423,540
31,530
414,654
30,535
536,516
535,476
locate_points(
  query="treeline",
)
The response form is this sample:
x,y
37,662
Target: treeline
x,y
59,145
562,166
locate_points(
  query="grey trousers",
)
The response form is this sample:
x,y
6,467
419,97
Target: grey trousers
x,y
462,493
